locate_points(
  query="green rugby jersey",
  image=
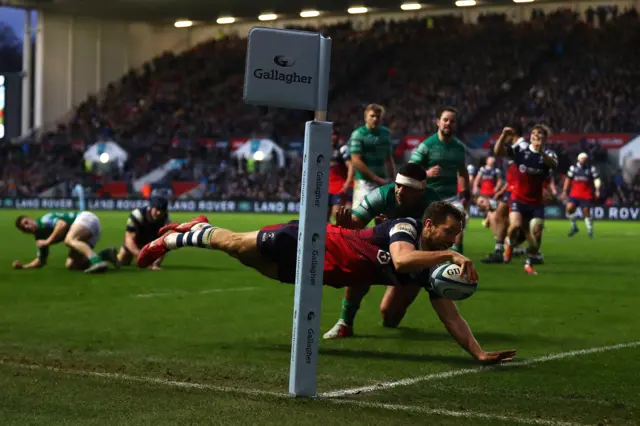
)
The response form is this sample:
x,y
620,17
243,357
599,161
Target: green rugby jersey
x,y
374,146
450,156
382,200
45,225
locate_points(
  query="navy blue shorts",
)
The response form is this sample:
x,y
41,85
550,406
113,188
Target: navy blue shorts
x,y
580,202
279,244
528,211
506,197
341,198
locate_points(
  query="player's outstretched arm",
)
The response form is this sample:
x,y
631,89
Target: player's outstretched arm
x,y
59,231
130,243
34,264
460,330
407,259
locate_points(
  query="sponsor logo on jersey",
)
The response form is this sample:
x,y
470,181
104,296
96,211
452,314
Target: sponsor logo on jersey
x,y
407,228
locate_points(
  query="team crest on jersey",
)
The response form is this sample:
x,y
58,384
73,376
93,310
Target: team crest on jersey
x,y
407,228
384,257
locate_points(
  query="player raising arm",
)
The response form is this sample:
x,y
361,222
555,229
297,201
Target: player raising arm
x,y
408,197
397,252
79,231
527,205
585,187
142,228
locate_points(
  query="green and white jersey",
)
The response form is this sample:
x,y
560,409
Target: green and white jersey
x,y
450,156
383,201
374,146
45,225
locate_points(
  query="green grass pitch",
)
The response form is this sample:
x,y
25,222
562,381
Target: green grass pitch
x,y
142,347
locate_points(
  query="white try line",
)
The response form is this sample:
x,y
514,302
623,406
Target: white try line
x,y
509,418
243,391
465,371
191,293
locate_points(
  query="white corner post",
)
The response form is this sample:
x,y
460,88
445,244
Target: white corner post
x,y
290,69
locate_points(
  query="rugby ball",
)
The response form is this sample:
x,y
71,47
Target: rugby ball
x,y
447,282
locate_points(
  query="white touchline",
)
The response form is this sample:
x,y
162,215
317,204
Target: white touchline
x,y
244,391
462,372
464,414
189,293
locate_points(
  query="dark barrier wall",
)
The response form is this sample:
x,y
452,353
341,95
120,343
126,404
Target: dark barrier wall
x,y
624,213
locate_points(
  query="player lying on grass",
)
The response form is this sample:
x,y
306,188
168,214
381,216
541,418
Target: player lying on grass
x,y
397,252
80,231
407,197
142,228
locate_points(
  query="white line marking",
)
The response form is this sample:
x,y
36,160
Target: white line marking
x,y
462,372
145,379
244,391
464,414
190,293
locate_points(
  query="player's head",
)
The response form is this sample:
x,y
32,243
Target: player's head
x,y
26,224
491,161
483,203
583,157
373,114
158,207
411,181
539,135
446,122
442,222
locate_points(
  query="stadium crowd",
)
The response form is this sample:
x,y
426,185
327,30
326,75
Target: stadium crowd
x,y
578,75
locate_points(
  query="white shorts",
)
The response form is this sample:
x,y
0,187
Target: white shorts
x,y
361,188
91,222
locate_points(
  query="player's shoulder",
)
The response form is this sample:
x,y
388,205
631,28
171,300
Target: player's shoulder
x,y
384,131
404,225
431,195
431,140
458,142
344,148
139,214
359,131
520,145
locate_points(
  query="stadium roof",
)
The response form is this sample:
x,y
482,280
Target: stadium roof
x,y
209,10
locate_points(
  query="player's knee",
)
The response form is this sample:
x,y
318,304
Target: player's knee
x,y
68,240
391,319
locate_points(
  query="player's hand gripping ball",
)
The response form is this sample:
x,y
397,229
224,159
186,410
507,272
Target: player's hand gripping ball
x,y
447,282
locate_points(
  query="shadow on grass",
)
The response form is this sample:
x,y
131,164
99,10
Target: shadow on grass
x,y
461,360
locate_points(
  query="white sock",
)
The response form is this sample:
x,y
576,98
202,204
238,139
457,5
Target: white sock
x,y
499,246
198,238
589,222
572,218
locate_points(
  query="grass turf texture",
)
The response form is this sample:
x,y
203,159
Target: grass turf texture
x,y
208,320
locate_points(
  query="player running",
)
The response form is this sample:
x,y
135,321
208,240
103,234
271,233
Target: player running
x,y
443,156
500,218
142,228
488,179
408,197
80,231
527,205
340,176
585,187
397,252
370,147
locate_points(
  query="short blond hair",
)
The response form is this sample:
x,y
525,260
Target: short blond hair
x,y
543,128
379,109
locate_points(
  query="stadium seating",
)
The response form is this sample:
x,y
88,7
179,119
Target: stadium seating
x,y
555,68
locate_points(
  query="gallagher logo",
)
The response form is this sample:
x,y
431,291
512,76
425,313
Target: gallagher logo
x,y
284,61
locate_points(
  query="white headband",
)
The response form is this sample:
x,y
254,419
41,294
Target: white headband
x,y
410,182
